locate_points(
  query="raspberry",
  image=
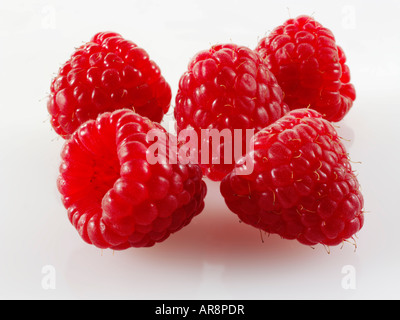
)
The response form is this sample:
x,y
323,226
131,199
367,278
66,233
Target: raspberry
x,y
115,197
227,87
310,67
106,74
302,186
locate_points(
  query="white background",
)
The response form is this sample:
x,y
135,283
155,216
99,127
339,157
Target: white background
x,y
215,257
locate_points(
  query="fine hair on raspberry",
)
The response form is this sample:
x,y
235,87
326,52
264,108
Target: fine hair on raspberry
x,y
302,186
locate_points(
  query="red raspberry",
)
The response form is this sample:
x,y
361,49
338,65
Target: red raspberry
x,y
106,74
310,67
302,186
115,197
227,87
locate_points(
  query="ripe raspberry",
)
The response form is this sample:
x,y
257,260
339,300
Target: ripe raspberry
x,y
302,186
106,74
310,67
114,196
227,87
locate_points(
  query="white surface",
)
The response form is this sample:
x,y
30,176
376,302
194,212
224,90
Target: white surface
x,y
215,256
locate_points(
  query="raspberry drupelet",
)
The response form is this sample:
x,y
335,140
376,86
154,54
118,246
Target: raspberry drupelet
x,y
115,197
310,67
302,186
105,74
